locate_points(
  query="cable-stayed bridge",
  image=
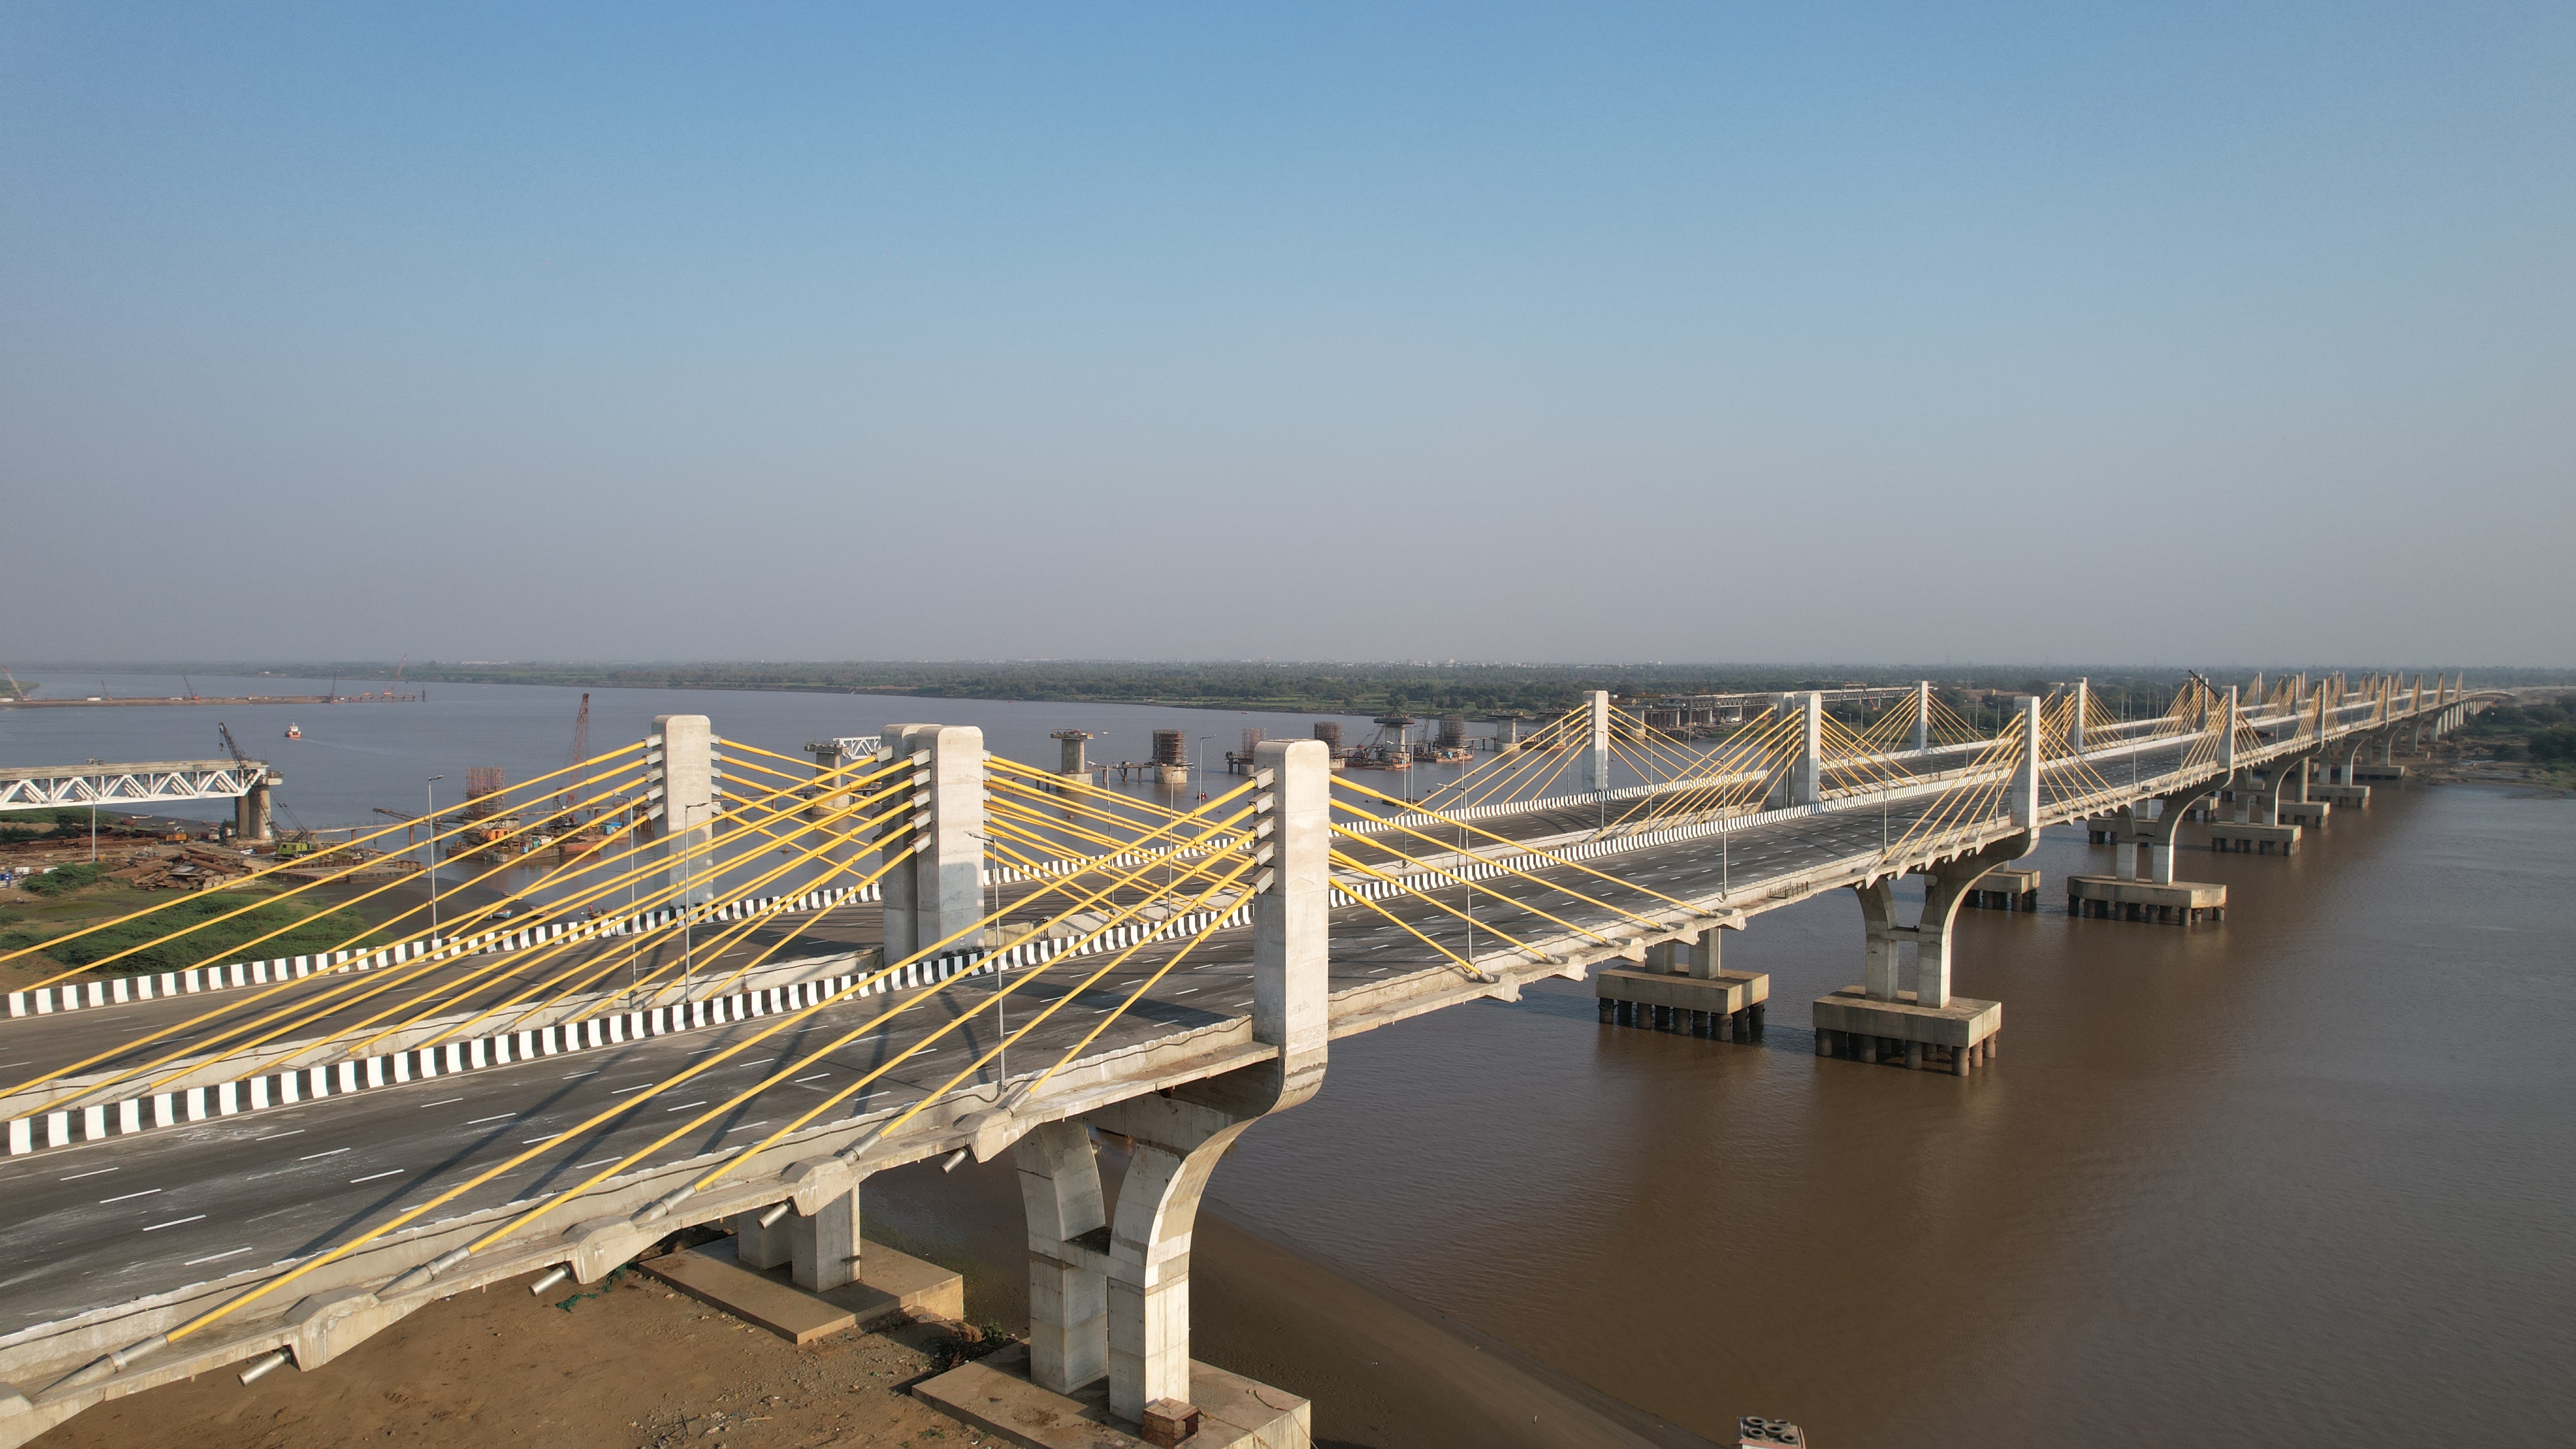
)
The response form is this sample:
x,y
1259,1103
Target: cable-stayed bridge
x,y
741,982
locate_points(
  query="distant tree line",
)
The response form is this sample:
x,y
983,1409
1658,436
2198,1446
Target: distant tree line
x,y
1424,688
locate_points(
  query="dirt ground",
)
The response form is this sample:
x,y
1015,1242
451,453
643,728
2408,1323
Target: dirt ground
x,y
633,1365
627,1366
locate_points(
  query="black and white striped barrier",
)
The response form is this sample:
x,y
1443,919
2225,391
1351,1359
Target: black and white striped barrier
x,y
100,1120
75,995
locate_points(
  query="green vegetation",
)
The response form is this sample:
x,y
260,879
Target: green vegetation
x,y
62,880
1418,688
224,941
2540,730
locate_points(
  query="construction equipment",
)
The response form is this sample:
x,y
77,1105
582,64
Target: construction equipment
x,y
230,748
295,841
580,751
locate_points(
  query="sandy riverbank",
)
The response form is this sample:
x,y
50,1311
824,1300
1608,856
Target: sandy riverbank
x,y
635,1367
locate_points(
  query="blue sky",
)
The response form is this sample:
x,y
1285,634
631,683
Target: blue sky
x,y
2193,334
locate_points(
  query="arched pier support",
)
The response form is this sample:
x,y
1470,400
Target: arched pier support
x,y
1879,1020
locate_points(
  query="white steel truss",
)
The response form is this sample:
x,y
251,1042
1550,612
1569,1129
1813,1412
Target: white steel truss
x,y
33,787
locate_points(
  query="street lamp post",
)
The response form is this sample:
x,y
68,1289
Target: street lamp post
x,y
429,800
1001,1006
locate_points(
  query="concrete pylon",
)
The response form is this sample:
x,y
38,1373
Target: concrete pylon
x,y
2025,788
1922,715
897,843
1807,776
2075,717
1596,748
1291,916
683,788
2227,743
949,887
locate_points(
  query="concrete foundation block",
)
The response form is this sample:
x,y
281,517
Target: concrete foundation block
x,y
2238,837
1850,1023
2172,903
995,1395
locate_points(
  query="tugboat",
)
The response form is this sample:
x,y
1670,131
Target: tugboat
x,y
295,732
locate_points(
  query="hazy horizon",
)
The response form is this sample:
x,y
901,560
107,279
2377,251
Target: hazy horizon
x,y
1513,333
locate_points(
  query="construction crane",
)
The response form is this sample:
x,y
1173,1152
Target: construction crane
x,y
297,841
16,689
410,822
580,751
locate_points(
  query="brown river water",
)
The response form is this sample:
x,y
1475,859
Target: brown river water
x,y
2301,1177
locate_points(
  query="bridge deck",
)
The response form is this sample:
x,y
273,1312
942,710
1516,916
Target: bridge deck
x,y
97,1228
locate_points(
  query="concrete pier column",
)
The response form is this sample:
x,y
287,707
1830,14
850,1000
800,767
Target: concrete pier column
x,y
1944,893
683,791
1069,753
828,800
823,1249
1705,958
757,1247
1178,1144
897,842
1068,1281
2124,844
1883,951
1922,715
252,821
1596,748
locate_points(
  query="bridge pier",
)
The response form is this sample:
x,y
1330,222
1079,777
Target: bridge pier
x,y
2005,888
251,818
823,1247
1109,1297
1878,1020
2144,834
1684,987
